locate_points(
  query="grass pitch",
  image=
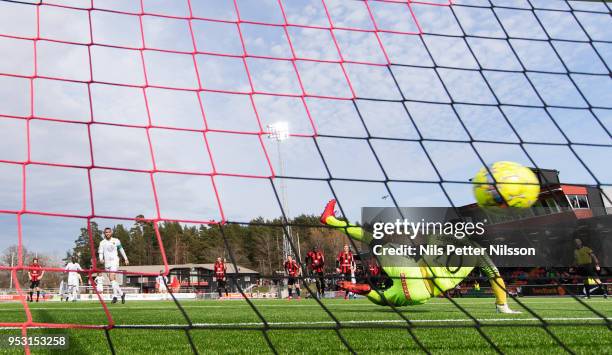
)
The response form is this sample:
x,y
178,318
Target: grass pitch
x,y
233,327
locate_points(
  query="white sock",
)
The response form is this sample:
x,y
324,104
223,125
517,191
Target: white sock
x,y
74,293
116,289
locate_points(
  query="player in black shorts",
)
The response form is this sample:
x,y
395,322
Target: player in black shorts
x,y
221,276
35,273
293,270
316,264
345,266
587,266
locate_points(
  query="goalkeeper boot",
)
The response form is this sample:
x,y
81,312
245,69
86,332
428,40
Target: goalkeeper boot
x,y
329,211
503,308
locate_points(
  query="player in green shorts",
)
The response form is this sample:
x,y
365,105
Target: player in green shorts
x,y
409,281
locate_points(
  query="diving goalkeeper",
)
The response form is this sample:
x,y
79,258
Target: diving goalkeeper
x,y
410,281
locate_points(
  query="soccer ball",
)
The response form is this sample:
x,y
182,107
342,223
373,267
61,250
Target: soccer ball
x,y
517,186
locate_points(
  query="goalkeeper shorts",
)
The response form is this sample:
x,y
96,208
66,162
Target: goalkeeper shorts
x,y
416,284
408,287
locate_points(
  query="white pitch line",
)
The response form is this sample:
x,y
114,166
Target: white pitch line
x,y
382,321
374,321
231,304
287,305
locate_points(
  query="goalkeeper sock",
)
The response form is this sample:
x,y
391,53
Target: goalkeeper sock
x,y
353,231
329,218
499,290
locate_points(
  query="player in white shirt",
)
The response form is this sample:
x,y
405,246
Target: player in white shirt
x,y
99,281
161,281
108,253
74,279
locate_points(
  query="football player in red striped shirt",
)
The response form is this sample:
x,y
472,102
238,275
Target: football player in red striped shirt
x,y
220,274
293,270
316,263
35,273
345,266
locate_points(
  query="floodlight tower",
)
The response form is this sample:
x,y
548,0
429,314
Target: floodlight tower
x,y
280,132
12,263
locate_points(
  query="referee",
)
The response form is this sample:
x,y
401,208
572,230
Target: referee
x,y
587,265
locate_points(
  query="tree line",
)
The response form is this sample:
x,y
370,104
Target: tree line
x,y
257,246
9,258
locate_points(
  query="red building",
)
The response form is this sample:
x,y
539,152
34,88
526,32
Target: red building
x,y
581,201
562,213
584,201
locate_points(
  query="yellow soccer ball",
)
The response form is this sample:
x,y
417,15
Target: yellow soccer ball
x,y
517,186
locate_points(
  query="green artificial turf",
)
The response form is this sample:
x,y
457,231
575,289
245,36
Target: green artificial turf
x,y
233,327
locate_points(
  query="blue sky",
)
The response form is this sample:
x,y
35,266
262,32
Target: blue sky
x,y
523,100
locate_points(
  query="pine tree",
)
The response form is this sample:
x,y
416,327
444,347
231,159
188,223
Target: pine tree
x,y
82,248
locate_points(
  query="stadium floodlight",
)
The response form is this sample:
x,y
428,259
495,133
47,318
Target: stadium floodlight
x,y
278,131
12,264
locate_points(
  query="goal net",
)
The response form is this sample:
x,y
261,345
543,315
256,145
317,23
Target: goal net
x,y
249,115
